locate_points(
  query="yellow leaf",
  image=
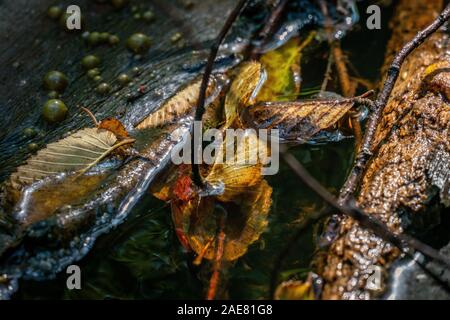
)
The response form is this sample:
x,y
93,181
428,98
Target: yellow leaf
x,y
244,224
295,290
298,120
241,171
283,67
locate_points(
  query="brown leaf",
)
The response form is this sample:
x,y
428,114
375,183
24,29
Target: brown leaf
x,y
115,126
246,220
298,120
47,198
182,103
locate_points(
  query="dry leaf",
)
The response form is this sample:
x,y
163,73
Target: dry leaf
x,y
298,120
115,126
179,105
76,153
243,170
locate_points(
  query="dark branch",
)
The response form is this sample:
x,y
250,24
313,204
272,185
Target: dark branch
x,y
404,242
202,94
366,149
269,27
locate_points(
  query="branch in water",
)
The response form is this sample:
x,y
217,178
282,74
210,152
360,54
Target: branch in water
x,y
367,147
404,242
202,94
270,26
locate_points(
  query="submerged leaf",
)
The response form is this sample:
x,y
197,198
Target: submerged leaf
x,y
242,192
283,70
76,153
44,199
298,120
246,220
245,86
196,221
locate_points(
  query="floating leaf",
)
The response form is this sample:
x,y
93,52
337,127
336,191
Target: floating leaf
x,y
283,70
245,86
298,120
76,153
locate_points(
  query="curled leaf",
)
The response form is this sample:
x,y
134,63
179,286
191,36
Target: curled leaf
x,y
115,126
243,90
235,174
298,120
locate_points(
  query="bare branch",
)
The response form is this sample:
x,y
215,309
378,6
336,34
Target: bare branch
x,y
202,94
404,242
367,147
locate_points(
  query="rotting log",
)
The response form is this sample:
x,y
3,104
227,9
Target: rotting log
x,y
408,167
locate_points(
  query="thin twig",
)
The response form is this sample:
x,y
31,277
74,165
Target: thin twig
x,y
327,75
365,152
404,242
196,148
91,115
